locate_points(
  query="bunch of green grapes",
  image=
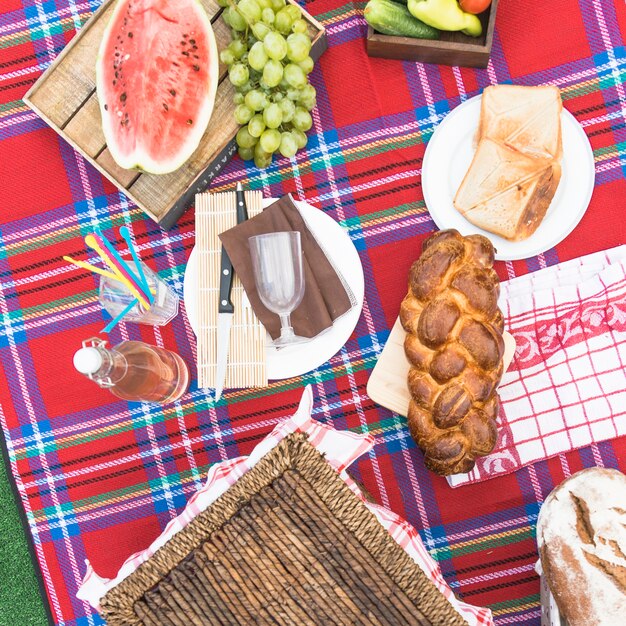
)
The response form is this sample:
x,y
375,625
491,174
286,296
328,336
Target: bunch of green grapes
x,y
268,63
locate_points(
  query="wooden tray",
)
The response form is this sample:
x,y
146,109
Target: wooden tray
x,y
65,98
387,384
288,543
450,49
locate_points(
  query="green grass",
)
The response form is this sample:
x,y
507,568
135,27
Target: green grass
x,y
20,602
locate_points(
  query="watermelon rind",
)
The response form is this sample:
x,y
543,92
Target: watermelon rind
x,y
140,158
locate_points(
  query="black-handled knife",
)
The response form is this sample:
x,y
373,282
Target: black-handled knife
x,y
242,209
226,309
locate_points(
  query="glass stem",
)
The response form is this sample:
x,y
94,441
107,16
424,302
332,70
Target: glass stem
x,y
286,329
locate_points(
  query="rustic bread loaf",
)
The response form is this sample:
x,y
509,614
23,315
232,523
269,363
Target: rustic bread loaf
x,y
581,534
454,345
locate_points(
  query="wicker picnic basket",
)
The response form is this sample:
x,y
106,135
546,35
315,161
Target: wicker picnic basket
x,y
289,543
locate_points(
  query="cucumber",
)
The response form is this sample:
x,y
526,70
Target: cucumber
x,y
392,18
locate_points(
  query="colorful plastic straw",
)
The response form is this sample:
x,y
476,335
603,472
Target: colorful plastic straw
x,y
98,244
134,280
116,320
125,233
91,268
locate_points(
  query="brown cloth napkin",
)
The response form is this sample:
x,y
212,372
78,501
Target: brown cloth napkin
x,y
325,297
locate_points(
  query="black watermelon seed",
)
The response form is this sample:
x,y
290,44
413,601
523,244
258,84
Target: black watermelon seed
x,y
130,35
190,122
176,64
196,68
185,54
123,97
106,107
185,35
166,107
195,56
114,82
173,92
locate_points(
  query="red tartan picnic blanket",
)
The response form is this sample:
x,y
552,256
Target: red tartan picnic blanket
x,y
100,478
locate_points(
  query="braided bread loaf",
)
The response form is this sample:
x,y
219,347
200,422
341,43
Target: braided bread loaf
x,y
455,347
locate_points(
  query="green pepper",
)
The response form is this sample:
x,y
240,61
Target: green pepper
x,y
445,15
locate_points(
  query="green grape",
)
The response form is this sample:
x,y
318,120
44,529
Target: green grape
x,y
227,57
268,16
277,5
257,57
272,73
245,139
302,119
238,74
246,154
238,98
288,146
256,125
275,45
309,104
277,97
273,116
235,20
295,76
265,4
293,94
307,65
307,92
298,47
237,47
250,9
294,12
283,21
300,137
255,100
288,108
262,159
243,114
300,26
223,3
270,140
260,30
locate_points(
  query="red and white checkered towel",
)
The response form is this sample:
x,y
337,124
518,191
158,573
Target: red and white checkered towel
x,y
566,386
340,448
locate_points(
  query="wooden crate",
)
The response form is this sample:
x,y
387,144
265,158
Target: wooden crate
x,y
450,49
65,97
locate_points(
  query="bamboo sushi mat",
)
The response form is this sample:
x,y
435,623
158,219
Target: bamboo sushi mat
x,y
216,213
287,544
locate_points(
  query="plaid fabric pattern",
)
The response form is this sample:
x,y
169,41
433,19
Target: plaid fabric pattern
x,y
100,478
340,449
566,386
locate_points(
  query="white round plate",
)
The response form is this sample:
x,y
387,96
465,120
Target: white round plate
x,y
449,154
304,357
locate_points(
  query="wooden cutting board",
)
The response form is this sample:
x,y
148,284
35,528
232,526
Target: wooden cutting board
x,y
387,385
65,97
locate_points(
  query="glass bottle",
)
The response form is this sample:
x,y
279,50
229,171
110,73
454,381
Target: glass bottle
x,y
134,370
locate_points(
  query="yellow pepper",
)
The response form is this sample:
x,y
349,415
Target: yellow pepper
x,y
445,15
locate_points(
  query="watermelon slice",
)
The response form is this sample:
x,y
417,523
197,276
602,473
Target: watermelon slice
x,y
156,78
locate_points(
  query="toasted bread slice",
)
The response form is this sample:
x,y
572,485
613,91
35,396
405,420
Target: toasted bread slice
x,y
527,119
506,192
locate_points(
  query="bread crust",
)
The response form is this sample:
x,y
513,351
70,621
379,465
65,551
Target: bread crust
x,y
581,535
455,347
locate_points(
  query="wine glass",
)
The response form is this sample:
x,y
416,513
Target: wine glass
x,y
279,277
